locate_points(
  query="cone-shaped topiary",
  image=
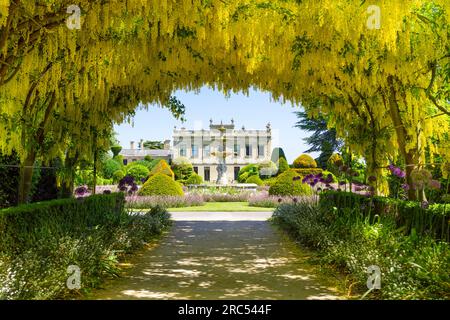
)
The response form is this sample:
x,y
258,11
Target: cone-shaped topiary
x,y
289,183
164,168
305,161
161,185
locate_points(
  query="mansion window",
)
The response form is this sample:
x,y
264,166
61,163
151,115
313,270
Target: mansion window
x,y
260,150
183,150
206,151
248,150
194,150
236,148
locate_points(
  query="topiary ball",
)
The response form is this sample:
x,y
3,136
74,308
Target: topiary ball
x,y
161,185
289,183
305,161
254,179
194,179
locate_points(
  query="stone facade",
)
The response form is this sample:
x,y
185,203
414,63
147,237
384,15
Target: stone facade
x,y
204,148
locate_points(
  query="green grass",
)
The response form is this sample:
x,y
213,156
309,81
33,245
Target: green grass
x,y
221,206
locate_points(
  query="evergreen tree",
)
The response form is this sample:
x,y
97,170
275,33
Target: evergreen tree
x,y
321,140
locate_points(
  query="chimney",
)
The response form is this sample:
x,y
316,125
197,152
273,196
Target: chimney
x,y
132,145
166,144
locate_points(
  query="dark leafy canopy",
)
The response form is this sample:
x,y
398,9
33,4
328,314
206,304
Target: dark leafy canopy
x,y
322,140
153,145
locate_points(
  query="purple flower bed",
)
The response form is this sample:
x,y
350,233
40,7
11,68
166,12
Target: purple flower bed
x,y
145,202
263,199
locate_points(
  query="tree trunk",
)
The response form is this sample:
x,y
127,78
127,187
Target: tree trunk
x,y
410,156
26,176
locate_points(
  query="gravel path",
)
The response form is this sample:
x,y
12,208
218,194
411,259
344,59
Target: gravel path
x,y
229,255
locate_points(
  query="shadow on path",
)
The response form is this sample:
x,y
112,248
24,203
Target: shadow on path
x,y
219,260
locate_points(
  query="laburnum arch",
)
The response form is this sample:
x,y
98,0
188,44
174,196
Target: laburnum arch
x,y
384,88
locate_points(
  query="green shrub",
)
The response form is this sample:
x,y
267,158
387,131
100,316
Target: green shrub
x,y
118,175
408,215
254,179
413,267
161,185
267,169
247,171
285,185
305,161
194,179
109,167
138,172
282,165
162,167
39,241
270,181
148,164
182,168
24,225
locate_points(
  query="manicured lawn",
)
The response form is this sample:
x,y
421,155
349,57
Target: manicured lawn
x,y
222,206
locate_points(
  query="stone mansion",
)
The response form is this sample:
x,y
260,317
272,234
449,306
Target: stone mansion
x,y
207,149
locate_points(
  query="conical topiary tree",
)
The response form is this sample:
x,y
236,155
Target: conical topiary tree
x,y
164,168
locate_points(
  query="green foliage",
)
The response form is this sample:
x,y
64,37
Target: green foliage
x,y
24,225
162,167
322,139
282,165
182,168
194,179
86,177
412,266
9,179
305,161
305,171
115,149
118,175
138,172
285,185
277,154
254,179
409,215
41,240
267,169
109,167
247,171
161,185
153,145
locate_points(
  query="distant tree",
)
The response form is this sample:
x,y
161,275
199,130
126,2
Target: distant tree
x,y
322,139
153,145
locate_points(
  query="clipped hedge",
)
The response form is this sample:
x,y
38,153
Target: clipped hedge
x,y
248,171
433,221
286,185
138,172
161,185
22,226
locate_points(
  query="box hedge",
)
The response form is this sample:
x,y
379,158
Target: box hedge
x,y
22,226
305,161
164,168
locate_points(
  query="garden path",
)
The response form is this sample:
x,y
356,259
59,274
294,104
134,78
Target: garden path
x,y
229,255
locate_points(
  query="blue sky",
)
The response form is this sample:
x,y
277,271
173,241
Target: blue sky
x,y
253,112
